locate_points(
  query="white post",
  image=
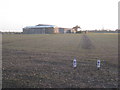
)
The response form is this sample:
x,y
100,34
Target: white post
x,y
98,64
74,63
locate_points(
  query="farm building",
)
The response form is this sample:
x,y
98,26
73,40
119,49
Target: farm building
x,y
45,29
40,29
64,30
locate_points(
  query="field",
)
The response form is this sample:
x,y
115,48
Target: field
x,y
45,61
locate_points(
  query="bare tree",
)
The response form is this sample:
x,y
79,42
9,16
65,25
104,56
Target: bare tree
x,y
76,28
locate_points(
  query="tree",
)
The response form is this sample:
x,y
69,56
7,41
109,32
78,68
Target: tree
x,y
76,28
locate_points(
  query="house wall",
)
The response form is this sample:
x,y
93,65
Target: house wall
x,y
67,30
56,30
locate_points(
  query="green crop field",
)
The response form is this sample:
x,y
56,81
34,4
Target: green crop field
x,y
45,61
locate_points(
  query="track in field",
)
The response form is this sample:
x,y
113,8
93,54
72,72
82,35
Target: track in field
x,y
87,43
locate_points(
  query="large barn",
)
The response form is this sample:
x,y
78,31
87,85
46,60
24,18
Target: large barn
x,y
44,29
40,29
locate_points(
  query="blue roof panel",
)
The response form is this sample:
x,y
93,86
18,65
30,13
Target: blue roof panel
x,y
47,26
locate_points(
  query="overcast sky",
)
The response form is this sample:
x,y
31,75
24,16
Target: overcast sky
x,y
88,14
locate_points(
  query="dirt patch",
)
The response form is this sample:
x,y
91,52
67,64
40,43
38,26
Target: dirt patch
x,y
87,43
46,70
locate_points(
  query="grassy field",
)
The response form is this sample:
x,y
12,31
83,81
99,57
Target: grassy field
x,y
45,61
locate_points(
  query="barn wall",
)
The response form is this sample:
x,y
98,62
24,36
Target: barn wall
x,y
38,30
49,30
61,30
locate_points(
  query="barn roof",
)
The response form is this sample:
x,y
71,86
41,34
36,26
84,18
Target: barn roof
x,y
43,25
40,26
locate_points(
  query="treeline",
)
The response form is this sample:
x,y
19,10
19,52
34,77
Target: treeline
x,y
105,31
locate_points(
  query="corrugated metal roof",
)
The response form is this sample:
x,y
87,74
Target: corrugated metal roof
x,y
46,26
43,25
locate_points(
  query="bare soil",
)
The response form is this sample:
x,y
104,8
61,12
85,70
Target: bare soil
x,y
87,43
25,69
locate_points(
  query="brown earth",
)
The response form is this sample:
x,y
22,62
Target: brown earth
x,y
24,69
87,43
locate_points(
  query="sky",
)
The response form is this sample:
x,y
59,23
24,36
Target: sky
x,y
88,14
